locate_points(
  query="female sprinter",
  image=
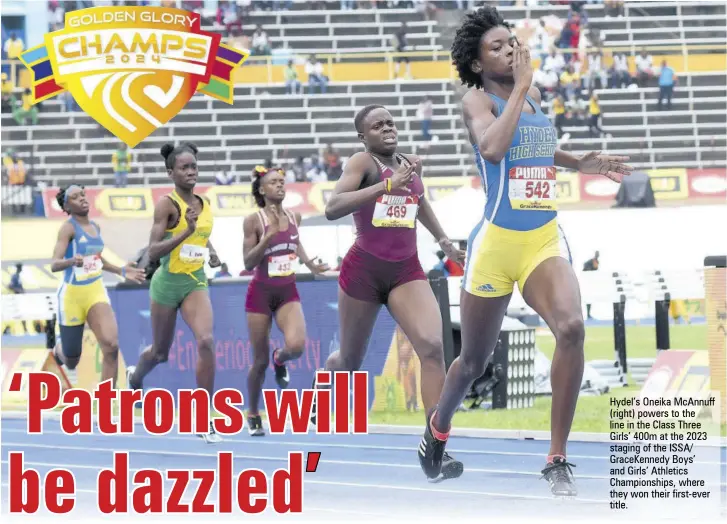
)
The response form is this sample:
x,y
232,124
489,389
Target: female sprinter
x,y
82,295
272,247
180,239
518,239
384,191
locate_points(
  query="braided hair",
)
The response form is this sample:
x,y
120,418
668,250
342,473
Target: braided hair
x,y
466,44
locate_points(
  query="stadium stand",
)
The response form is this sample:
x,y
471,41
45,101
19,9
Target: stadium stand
x,y
266,123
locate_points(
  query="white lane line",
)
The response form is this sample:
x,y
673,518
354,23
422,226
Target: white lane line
x,y
258,441
238,456
355,485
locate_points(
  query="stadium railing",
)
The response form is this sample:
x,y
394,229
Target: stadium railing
x,y
617,26
636,132
689,52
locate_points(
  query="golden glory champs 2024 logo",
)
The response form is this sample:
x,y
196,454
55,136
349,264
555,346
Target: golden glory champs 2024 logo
x,y
132,69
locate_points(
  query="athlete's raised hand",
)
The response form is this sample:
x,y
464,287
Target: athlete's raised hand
x,y
190,216
403,176
522,67
134,274
452,252
610,166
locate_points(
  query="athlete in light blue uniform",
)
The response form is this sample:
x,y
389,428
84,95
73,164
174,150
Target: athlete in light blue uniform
x,y
518,238
82,294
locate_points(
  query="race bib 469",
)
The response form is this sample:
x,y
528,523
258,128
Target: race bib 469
x,y
533,188
396,211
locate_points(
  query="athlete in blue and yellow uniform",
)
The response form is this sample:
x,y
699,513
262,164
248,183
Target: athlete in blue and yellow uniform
x,y
180,240
518,238
82,296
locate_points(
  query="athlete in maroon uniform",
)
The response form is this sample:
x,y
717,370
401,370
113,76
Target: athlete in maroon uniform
x,y
384,191
272,248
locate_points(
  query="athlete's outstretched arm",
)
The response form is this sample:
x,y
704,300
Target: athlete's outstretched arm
x,y
130,272
429,220
60,263
253,250
108,266
157,246
347,197
610,166
594,163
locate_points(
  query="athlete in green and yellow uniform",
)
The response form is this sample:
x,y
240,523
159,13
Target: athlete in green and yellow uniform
x,y
181,271
180,240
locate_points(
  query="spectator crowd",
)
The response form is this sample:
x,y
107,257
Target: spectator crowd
x,y
573,65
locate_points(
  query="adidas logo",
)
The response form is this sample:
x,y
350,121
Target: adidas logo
x,y
486,288
422,447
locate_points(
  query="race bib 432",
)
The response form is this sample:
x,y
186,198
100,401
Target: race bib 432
x,y
281,265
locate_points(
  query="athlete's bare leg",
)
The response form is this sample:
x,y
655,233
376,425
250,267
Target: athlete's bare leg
x,y
480,321
163,322
291,322
552,290
356,320
258,325
102,321
416,310
197,313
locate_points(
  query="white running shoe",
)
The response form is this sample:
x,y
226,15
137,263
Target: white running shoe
x,y
314,407
129,371
212,437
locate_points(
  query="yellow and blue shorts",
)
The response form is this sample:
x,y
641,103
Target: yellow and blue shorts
x,y
498,257
74,301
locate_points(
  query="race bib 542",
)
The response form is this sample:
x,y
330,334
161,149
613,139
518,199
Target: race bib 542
x,y
533,188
